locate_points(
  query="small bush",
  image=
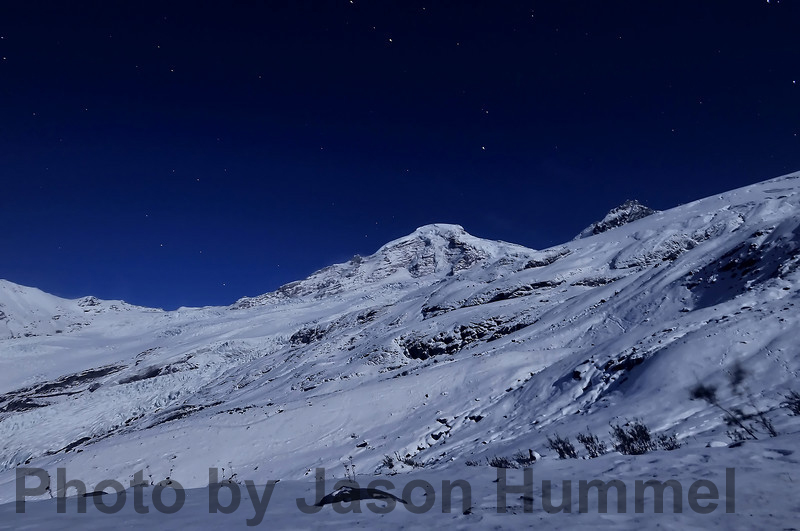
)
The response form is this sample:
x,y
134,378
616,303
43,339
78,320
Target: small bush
x,y
736,418
563,447
409,461
792,403
668,441
704,392
524,460
632,439
472,462
745,424
594,446
388,461
708,393
501,462
765,423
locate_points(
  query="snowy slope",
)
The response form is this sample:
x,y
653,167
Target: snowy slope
x,y
441,346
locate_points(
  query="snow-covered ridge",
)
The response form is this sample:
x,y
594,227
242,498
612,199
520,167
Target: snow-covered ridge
x,y
28,312
425,256
440,346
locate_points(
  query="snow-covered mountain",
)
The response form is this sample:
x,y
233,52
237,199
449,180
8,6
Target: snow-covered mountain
x,y
441,346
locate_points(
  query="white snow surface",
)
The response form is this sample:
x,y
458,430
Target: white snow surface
x,y
441,347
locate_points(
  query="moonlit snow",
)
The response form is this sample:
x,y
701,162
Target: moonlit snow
x,y
443,349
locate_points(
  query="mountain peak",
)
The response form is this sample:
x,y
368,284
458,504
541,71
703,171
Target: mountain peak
x,y
629,211
428,254
441,246
440,229
432,234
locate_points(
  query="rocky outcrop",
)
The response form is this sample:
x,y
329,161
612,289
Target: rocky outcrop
x,y
628,211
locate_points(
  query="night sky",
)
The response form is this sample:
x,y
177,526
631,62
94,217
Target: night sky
x,y
191,153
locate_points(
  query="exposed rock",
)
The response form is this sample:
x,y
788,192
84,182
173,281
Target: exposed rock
x,y
630,210
347,494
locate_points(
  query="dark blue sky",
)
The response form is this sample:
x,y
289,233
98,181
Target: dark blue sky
x,y
190,153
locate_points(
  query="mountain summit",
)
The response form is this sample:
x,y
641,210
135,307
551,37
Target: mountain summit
x,y
629,211
427,255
